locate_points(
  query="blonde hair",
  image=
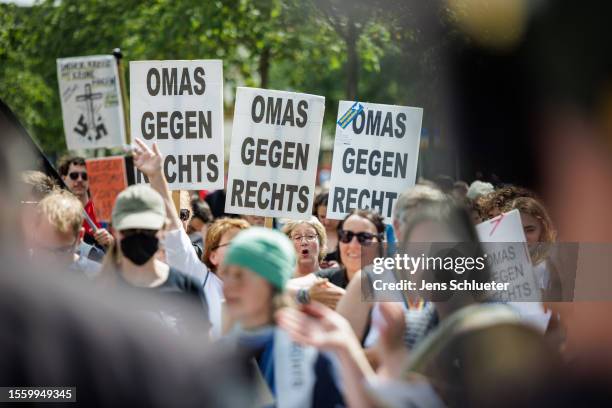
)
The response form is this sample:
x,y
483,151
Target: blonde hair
x,y
533,207
38,184
63,211
318,227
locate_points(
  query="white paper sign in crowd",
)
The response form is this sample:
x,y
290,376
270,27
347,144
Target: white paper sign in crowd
x,y
91,102
274,153
179,105
503,242
375,158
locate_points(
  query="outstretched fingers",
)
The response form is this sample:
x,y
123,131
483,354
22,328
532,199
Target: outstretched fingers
x,y
142,146
156,149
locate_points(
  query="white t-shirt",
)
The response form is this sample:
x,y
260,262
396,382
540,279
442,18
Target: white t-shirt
x,y
181,255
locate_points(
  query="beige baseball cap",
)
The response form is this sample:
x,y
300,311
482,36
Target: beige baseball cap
x,y
139,207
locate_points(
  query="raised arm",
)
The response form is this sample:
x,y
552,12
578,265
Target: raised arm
x,y
353,309
179,251
149,161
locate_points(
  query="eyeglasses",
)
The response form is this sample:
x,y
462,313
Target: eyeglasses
x,y
184,214
220,245
363,237
309,238
75,175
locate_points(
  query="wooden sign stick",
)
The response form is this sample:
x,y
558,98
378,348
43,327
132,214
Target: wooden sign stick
x,y
269,222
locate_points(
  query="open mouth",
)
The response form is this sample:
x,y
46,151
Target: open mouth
x,y
305,252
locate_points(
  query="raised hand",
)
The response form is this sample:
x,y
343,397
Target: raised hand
x,y
147,160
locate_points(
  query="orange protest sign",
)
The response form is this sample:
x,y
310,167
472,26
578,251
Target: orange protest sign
x,y
107,178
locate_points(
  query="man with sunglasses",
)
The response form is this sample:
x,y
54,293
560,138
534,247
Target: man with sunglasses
x,y
74,174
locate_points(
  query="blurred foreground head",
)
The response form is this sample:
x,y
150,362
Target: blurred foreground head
x,y
532,100
14,159
57,331
56,230
533,95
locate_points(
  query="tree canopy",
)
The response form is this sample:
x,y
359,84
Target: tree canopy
x,y
365,50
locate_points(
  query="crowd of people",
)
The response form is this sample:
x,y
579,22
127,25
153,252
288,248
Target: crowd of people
x,y
182,304
290,299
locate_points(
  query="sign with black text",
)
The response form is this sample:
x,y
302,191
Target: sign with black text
x,y
375,157
179,105
91,102
274,153
507,255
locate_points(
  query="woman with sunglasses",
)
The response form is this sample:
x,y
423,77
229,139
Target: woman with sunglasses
x,y
360,236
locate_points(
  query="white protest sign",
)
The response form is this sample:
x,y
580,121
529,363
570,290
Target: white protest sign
x,y
503,242
274,153
91,102
179,105
375,157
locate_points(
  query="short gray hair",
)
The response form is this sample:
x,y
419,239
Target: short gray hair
x,y
318,227
479,188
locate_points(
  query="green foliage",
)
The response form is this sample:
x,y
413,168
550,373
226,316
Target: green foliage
x,y
282,44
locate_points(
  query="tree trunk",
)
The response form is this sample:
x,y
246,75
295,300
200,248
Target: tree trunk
x,y
264,66
352,62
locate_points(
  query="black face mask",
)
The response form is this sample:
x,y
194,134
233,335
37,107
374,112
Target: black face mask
x,y
139,247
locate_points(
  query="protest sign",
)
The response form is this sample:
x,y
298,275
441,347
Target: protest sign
x,y
91,102
107,178
274,153
179,105
503,242
375,157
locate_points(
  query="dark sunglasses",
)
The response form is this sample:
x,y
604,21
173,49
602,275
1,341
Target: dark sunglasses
x,y
75,175
362,237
